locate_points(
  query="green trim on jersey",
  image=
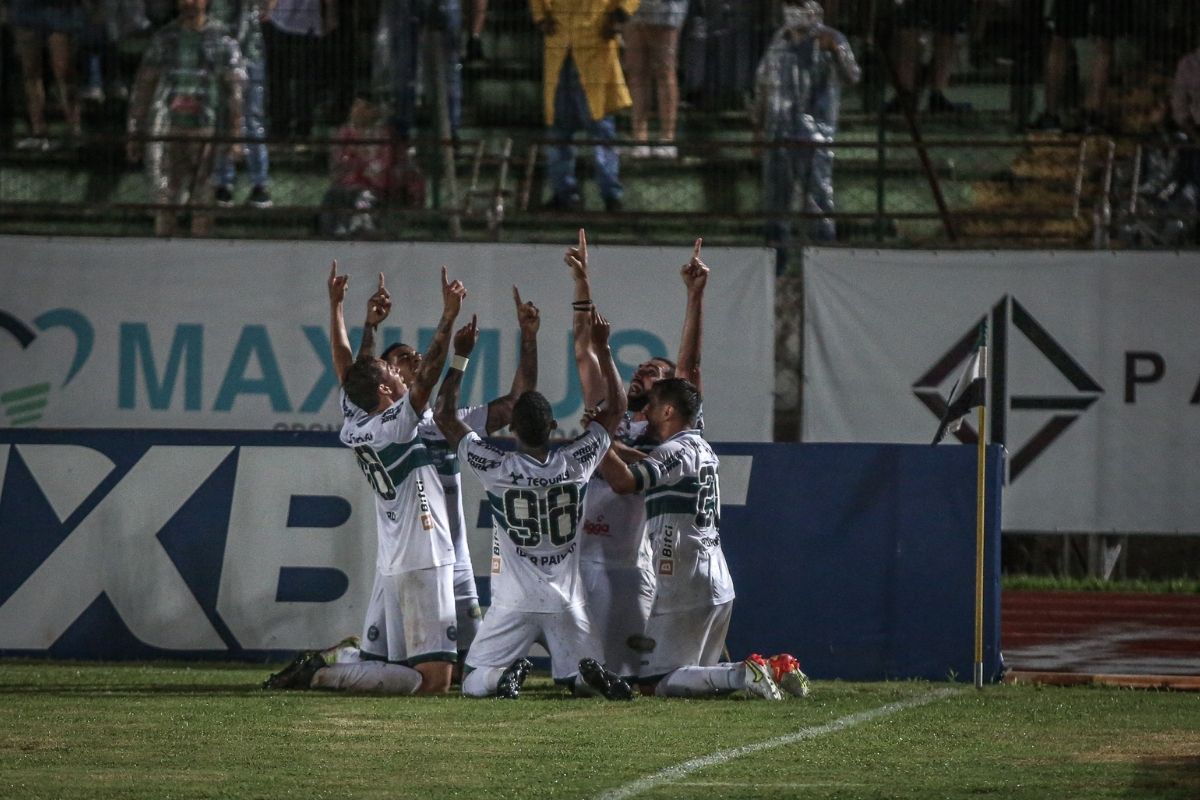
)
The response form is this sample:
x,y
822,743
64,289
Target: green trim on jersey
x,y
445,459
394,452
670,505
497,506
643,477
685,484
415,459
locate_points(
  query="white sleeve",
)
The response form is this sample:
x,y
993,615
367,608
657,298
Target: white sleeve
x,y
482,458
585,452
663,465
399,422
474,417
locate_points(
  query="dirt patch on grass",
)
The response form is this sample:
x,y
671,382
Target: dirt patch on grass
x,y
1166,746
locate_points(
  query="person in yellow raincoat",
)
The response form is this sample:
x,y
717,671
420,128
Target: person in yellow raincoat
x,y
583,86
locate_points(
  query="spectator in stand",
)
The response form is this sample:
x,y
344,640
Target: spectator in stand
x,y
109,23
798,92
187,90
651,61
946,19
1185,110
360,172
244,20
55,24
408,21
1104,20
475,37
582,87
293,36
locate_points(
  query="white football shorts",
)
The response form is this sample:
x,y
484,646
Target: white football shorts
x,y
693,637
411,618
618,602
507,634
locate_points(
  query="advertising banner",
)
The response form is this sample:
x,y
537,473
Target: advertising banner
x,y
139,544
1094,384
226,334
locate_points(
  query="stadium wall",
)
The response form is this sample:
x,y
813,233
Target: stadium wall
x,y
224,334
1094,382
141,544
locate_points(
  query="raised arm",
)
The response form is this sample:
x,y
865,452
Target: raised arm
x,y
613,407
435,356
616,473
590,376
446,413
378,307
695,278
526,377
339,340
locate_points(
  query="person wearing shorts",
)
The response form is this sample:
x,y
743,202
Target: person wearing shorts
x,y
1102,20
945,19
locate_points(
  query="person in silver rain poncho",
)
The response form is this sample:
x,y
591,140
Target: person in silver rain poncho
x,y
188,91
798,90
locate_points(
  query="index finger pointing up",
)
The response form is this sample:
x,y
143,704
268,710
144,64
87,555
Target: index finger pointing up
x,y
381,286
517,296
445,278
583,242
696,247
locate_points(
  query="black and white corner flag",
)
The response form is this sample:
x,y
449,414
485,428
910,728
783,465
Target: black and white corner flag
x,y
970,390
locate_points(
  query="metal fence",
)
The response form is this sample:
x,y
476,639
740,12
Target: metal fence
x,y
994,124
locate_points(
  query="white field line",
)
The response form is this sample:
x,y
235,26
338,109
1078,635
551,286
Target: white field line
x,y
671,774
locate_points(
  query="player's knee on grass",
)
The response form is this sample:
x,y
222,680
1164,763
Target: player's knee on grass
x,y
377,677
435,677
481,682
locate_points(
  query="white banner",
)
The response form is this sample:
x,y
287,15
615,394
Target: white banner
x,y
1095,376
234,334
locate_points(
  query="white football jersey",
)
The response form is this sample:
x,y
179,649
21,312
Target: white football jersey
x,y
410,505
683,517
446,461
536,509
614,525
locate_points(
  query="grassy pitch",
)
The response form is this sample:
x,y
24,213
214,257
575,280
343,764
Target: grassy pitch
x,y
175,731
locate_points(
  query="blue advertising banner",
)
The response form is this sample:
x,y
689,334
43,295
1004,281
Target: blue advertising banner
x,y
141,544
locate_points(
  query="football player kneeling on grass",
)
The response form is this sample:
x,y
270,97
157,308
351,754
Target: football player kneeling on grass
x,y
694,597
535,497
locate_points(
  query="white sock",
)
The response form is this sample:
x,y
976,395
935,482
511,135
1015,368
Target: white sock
x,y
715,681
368,676
481,682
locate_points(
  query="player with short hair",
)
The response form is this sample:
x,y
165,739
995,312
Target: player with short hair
x,y
408,639
485,419
615,558
535,495
694,596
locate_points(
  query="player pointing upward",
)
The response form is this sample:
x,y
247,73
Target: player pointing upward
x,y
408,638
535,495
615,561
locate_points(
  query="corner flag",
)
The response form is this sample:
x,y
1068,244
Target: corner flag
x,y
970,390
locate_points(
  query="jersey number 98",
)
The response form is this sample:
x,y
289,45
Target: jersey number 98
x,y
531,517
